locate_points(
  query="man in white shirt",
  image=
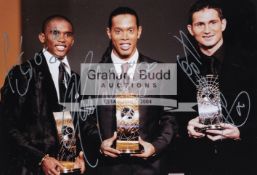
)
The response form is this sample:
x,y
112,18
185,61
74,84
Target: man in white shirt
x,y
30,95
156,127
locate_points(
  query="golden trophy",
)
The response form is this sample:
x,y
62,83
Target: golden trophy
x,y
67,141
127,117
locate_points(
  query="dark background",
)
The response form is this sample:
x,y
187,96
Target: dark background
x,y
161,20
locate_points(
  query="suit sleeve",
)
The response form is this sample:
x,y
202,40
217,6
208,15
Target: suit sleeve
x,y
13,97
167,129
90,139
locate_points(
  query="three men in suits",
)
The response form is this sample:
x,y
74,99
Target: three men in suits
x,y
30,95
156,126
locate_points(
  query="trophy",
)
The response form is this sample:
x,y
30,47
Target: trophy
x,y
209,102
67,141
127,117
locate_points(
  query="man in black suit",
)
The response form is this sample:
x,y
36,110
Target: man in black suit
x,y
156,126
225,150
31,93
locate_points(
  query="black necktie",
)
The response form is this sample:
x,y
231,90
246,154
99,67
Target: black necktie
x,y
63,80
124,73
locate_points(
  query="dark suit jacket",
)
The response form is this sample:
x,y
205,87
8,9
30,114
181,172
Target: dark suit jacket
x,y
155,126
29,99
203,156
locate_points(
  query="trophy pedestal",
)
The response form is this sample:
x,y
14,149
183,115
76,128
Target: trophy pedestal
x,y
210,127
214,127
69,168
128,147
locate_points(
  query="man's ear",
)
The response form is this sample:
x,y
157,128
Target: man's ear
x,y
108,31
223,24
189,28
42,38
140,29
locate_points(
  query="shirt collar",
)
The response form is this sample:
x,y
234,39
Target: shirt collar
x,y
132,60
53,61
132,63
219,55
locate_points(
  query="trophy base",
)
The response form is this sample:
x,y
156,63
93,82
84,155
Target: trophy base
x,y
69,168
128,147
210,127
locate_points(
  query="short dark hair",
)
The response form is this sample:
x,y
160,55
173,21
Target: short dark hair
x,y
202,4
53,17
122,11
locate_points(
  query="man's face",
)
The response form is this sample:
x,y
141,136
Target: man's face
x,y
124,34
207,28
58,37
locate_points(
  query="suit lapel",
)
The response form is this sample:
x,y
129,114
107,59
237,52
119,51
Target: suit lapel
x,y
44,75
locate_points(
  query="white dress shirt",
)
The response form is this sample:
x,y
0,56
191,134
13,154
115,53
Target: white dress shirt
x,y
53,65
132,63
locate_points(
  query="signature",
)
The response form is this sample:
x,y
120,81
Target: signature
x,y
242,101
20,86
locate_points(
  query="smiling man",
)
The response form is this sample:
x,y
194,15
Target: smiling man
x,y
31,98
225,149
156,126
124,34
57,37
206,27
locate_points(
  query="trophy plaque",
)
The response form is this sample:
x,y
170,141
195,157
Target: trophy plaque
x,y
127,117
67,141
209,102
